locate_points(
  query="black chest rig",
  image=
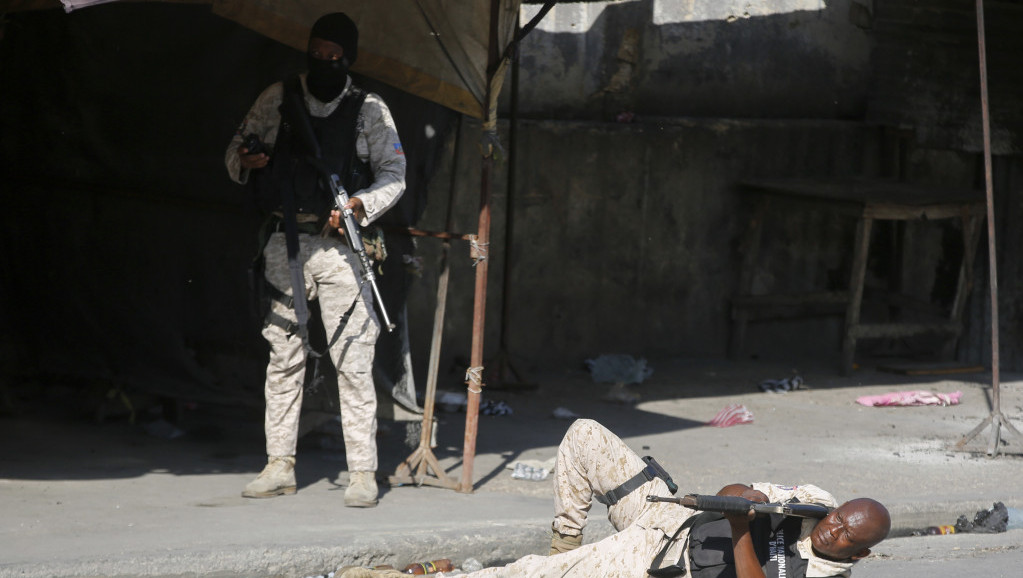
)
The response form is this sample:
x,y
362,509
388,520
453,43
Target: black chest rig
x,y
774,540
333,140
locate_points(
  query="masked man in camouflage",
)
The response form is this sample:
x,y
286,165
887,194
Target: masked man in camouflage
x,y
356,139
663,539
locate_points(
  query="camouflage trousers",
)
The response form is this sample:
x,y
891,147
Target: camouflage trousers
x,y
330,271
591,461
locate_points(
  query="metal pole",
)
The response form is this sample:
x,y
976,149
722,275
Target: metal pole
x,y
995,419
474,377
989,188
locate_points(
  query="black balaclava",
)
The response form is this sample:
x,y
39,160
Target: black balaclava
x,y
326,78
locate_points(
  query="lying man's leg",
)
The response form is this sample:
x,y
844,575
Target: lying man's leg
x,y
626,554
591,459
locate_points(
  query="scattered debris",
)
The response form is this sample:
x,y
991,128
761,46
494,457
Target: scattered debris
x,y
163,429
451,401
783,385
618,394
618,369
532,470
990,521
910,398
733,414
524,472
564,413
936,530
490,407
993,520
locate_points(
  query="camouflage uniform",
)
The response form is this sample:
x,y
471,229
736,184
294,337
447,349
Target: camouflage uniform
x,y
330,270
591,461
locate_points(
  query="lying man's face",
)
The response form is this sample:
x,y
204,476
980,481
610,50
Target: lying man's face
x,y
848,532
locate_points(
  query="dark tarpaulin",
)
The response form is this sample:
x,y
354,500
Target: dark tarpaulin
x,y
125,246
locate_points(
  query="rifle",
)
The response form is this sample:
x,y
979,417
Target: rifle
x,y
737,505
308,138
355,242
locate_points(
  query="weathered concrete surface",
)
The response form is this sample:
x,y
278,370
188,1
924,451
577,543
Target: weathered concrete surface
x,y
85,499
625,237
791,59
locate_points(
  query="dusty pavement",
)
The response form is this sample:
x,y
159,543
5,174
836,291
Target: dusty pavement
x,y
80,498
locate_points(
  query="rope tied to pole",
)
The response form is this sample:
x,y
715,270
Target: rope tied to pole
x,y
477,251
474,376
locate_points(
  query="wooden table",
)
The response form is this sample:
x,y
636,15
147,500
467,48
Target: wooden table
x,y
867,200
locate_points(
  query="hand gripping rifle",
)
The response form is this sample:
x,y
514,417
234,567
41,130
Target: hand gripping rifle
x,y
354,236
737,505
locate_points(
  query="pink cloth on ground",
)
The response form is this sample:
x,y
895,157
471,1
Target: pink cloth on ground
x,y
907,398
733,414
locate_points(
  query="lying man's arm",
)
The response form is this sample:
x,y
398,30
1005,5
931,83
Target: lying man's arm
x,y
746,563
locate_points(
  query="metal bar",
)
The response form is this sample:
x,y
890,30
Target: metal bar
x,y
995,418
483,240
989,192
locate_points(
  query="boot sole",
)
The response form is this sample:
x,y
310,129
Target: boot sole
x,y
361,504
271,494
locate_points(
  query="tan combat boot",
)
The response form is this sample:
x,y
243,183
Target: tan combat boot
x,y
362,490
277,478
563,542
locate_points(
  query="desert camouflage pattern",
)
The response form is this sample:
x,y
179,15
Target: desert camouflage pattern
x,y
377,143
592,460
329,270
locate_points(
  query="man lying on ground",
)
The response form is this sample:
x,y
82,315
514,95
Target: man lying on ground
x,y
593,463
664,540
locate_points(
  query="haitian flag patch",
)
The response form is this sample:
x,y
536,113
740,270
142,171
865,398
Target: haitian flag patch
x,y
397,149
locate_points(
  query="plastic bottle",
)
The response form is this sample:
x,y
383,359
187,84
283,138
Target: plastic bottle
x,y
945,529
431,567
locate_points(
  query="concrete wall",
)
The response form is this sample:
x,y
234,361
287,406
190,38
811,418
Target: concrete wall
x,y
624,238
637,119
716,58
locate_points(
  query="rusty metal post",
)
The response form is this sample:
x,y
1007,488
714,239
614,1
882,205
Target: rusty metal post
x,y
995,419
481,246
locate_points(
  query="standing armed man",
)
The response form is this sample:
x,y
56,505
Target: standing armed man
x,y
354,137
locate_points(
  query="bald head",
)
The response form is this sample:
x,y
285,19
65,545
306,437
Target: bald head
x,y
851,529
872,520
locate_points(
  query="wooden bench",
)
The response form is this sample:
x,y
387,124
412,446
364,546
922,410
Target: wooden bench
x,y
867,200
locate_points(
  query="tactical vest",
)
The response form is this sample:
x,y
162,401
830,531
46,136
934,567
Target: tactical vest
x,y
774,541
290,168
